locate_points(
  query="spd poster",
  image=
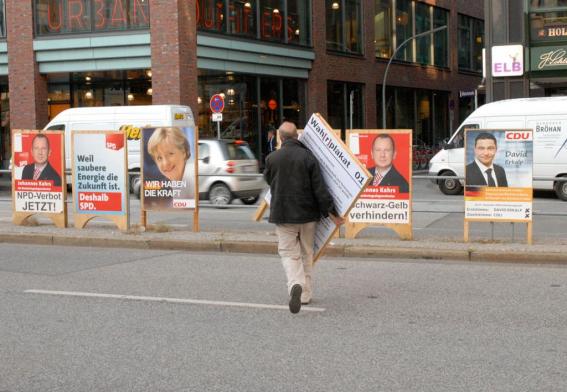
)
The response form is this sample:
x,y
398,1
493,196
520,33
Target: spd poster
x,y
38,171
100,176
387,156
498,175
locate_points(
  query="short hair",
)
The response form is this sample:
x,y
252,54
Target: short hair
x,y
286,134
485,136
173,135
384,136
41,136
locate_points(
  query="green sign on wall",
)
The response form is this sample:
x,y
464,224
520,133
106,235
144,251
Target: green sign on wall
x,y
548,58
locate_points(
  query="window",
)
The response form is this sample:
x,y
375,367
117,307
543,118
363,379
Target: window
x,y
383,29
85,16
270,20
411,18
344,26
338,105
471,42
423,24
2,19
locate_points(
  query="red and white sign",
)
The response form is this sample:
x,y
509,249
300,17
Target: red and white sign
x,y
217,103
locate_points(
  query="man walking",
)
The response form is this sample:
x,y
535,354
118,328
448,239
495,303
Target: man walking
x,y
299,200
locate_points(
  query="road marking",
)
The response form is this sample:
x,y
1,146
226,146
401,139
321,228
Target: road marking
x,y
170,300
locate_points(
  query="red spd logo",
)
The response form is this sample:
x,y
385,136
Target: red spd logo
x,y
518,135
115,141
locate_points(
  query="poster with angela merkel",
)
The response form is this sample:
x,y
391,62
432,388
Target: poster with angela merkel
x,y
387,156
169,168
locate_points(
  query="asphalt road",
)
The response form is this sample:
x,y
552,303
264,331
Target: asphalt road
x,y
379,326
436,216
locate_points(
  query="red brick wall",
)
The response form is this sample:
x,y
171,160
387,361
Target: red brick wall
x,y
28,89
174,52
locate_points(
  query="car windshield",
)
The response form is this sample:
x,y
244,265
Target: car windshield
x,y
239,151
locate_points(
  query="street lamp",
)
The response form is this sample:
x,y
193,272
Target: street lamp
x,y
390,62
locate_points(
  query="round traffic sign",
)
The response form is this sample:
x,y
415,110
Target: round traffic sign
x,y
217,103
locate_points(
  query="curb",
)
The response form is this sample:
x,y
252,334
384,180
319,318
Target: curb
x,y
231,245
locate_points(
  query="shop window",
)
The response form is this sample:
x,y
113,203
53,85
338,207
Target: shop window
x,y
242,18
344,26
211,15
404,29
298,22
84,16
471,42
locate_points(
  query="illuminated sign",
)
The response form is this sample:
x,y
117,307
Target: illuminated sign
x,y
507,60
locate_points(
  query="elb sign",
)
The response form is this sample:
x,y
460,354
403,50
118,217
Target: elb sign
x,y
507,60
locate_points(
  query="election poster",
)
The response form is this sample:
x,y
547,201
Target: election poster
x,y
169,169
387,156
38,175
344,175
498,175
100,176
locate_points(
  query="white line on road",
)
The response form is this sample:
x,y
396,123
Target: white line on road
x,y
169,300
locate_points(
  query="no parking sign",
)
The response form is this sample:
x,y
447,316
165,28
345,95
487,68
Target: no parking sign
x,y
217,103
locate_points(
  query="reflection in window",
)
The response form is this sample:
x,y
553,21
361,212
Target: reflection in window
x,y
80,16
344,25
383,28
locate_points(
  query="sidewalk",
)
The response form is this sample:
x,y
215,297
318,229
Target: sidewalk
x,y
265,242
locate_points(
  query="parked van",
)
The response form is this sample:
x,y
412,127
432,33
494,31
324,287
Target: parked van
x,y
546,116
129,118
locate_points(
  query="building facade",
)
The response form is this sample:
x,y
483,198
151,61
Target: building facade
x,y
271,60
533,35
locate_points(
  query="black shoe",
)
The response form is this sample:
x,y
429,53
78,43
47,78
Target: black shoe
x,y
295,299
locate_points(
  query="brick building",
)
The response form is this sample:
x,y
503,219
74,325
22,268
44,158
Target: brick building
x,y
272,59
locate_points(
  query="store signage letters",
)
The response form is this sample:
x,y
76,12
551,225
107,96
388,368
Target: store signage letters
x,y
553,58
108,14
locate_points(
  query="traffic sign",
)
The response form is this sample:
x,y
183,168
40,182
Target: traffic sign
x,y
217,103
217,117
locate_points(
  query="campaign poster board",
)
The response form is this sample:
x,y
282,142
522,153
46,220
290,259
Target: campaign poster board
x,y
343,173
386,201
170,179
38,176
498,176
100,177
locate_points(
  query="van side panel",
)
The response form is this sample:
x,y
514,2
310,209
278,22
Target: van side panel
x,y
550,152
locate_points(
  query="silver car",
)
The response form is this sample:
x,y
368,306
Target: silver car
x,y
220,163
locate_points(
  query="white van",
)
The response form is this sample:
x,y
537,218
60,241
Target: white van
x,y
546,116
129,118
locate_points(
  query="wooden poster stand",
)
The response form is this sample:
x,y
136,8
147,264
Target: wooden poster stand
x,y
144,212
405,230
529,232
59,219
466,229
121,221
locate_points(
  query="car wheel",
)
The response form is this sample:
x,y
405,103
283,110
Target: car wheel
x,y
561,190
450,186
135,185
250,200
220,195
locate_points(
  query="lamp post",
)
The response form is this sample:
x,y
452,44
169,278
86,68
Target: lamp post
x,y
390,62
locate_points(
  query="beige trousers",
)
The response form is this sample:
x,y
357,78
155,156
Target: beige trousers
x,y
295,247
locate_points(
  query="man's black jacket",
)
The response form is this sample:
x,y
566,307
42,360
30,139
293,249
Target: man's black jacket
x,y
299,193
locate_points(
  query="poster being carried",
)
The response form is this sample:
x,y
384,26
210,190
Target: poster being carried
x,y
100,176
344,175
498,175
387,156
38,174
169,168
